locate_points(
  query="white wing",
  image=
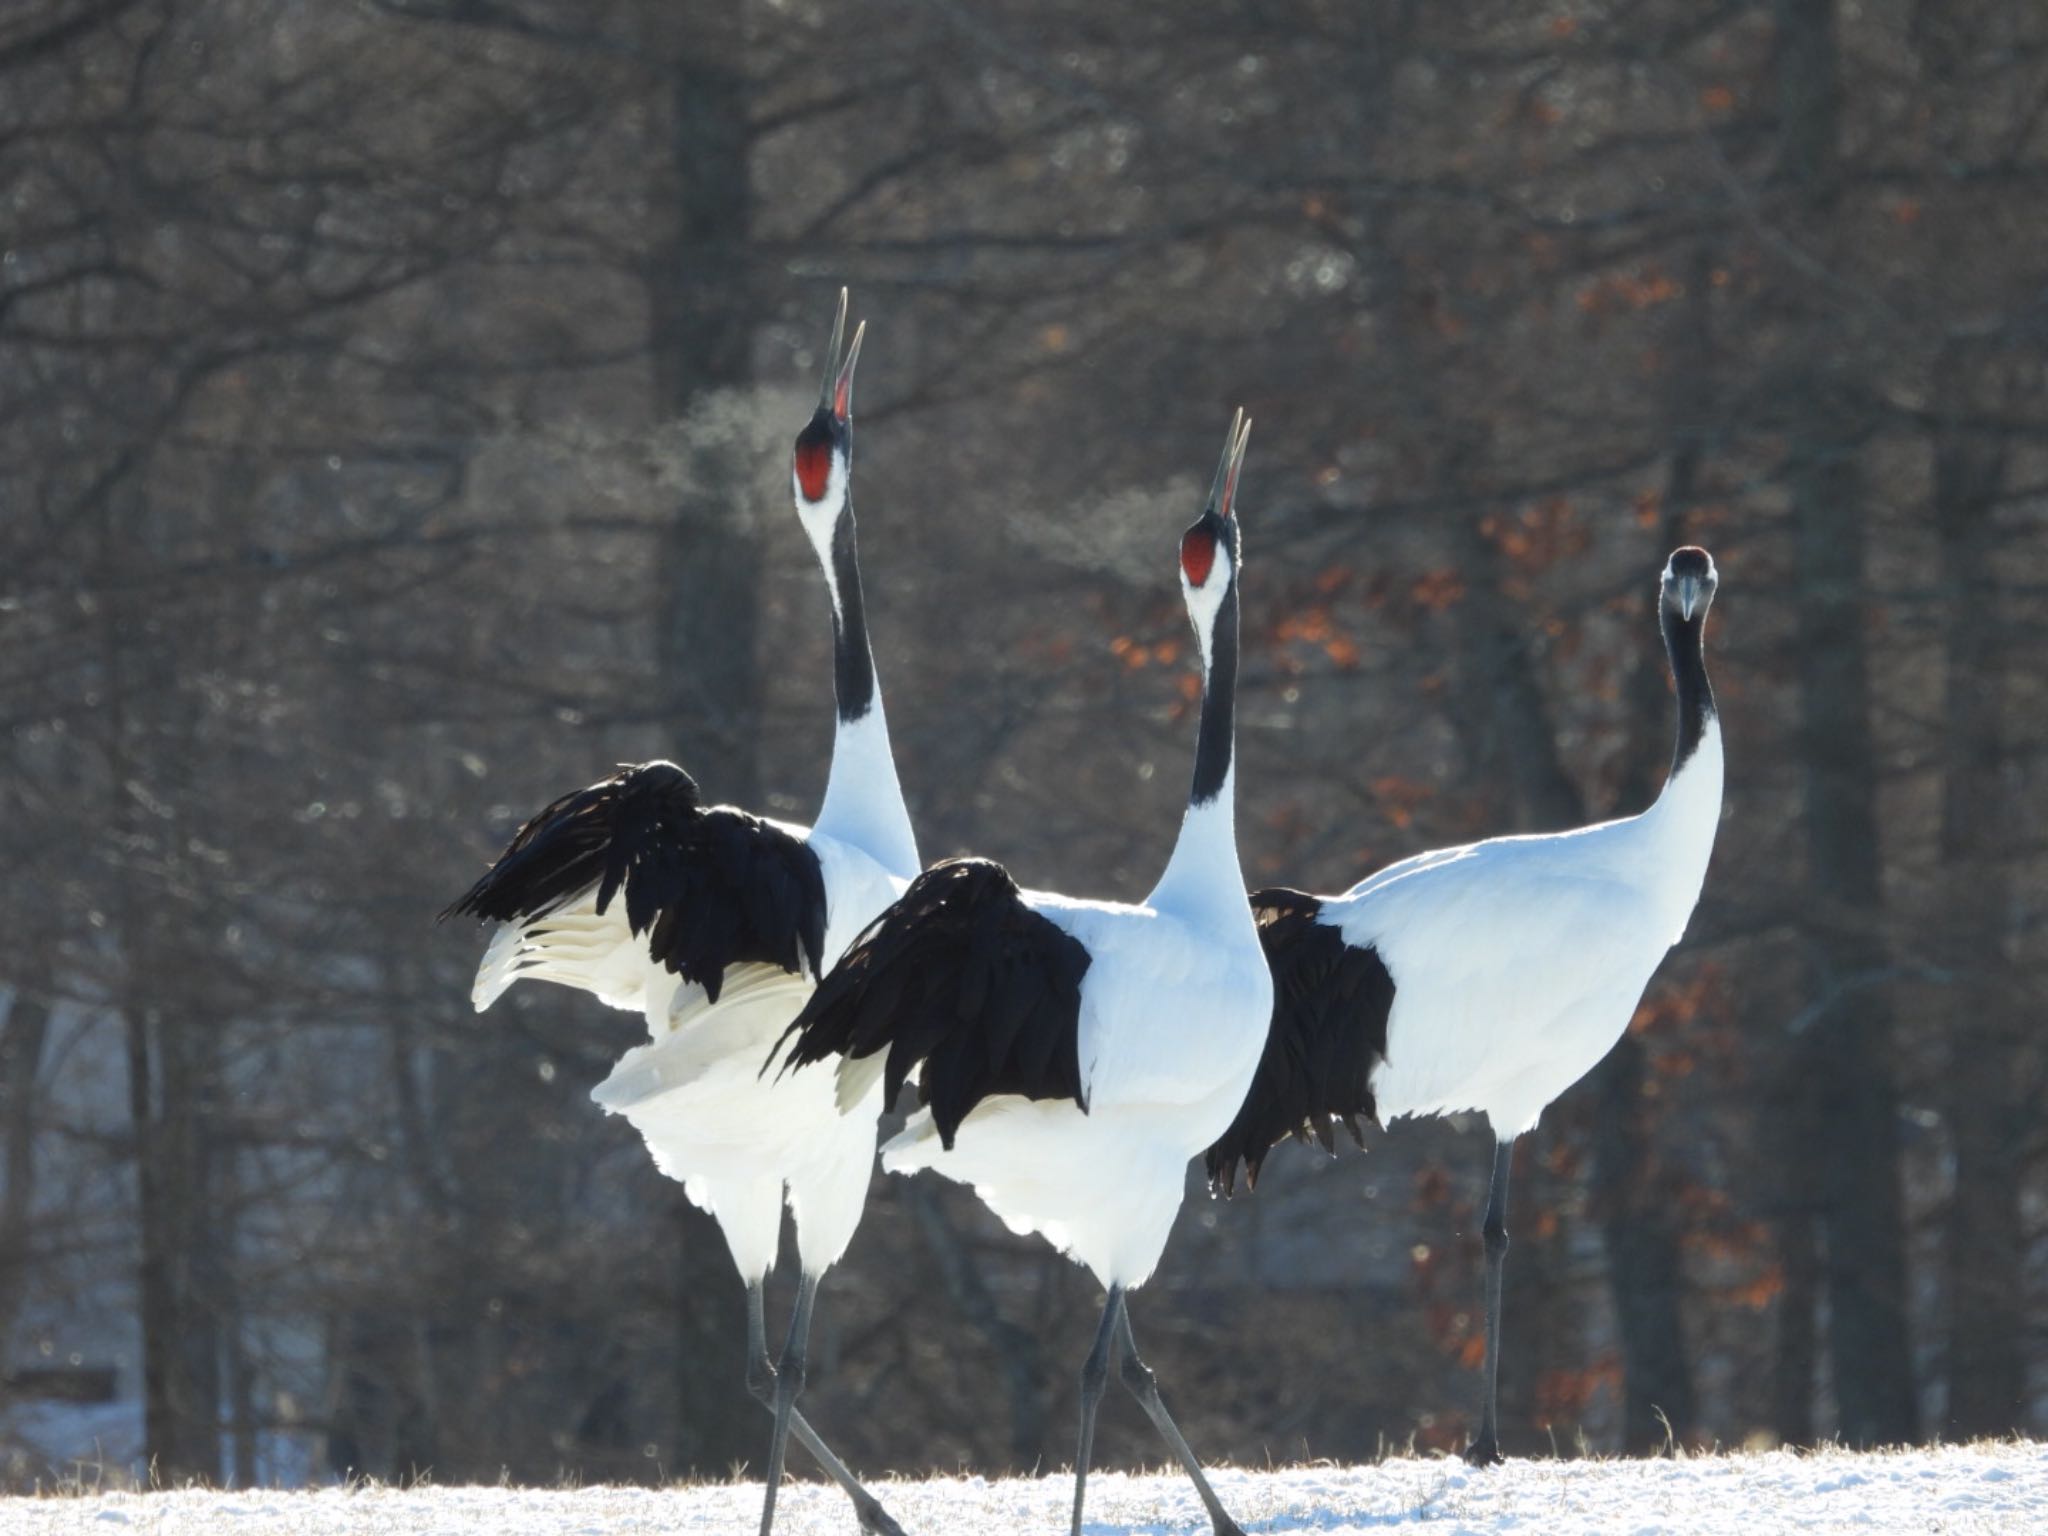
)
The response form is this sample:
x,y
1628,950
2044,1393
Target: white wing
x,y
1516,965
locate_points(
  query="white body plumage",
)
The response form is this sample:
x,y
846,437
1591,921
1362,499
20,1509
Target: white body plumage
x,y
736,1137
1518,962
1173,1018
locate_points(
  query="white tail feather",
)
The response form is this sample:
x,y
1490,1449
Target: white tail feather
x,y
857,1076
733,1035
500,967
572,946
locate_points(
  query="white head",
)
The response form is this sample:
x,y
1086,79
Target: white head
x,y
1210,548
822,467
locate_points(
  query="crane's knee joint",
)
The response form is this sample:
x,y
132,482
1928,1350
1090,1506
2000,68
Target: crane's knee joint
x,y
1137,1377
1496,1233
790,1374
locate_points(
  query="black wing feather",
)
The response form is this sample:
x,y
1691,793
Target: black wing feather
x,y
708,888
1329,1032
962,979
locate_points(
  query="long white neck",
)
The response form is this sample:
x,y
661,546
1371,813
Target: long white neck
x,y
1682,822
1203,879
1688,808
863,797
1677,831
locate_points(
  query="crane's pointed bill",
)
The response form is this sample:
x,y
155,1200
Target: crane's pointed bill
x,y
1227,508
1225,486
1689,580
1223,493
827,386
827,439
842,391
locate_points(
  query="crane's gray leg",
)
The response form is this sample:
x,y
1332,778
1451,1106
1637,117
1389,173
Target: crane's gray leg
x,y
1138,1377
1094,1379
761,1382
1485,1450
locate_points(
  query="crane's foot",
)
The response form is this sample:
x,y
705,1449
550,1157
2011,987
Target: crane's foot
x,y
1484,1452
874,1519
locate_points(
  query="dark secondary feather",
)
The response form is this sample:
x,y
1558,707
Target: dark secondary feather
x,y
962,978
709,888
1329,1031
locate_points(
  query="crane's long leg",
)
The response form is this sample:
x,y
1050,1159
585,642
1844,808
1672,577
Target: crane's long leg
x,y
1094,1379
789,1381
1138,1377
761,1382
1485,1450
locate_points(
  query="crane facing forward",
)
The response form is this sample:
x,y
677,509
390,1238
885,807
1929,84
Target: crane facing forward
x,y
1489,977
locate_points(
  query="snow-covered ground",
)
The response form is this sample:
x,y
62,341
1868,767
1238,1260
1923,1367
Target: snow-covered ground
x,y
1985,1488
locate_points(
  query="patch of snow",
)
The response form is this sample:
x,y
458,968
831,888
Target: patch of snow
x,y
1957,1490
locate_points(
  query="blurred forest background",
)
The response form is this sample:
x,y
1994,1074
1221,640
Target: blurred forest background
x,y
395,407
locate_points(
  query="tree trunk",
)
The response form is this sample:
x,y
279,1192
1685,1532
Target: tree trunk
x,y
1502,682
1853,1139
1631,1193
171,1050
702,316
1987,1315
1019,1352
22,1036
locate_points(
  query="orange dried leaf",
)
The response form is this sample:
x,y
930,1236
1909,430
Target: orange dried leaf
x,y
1438,590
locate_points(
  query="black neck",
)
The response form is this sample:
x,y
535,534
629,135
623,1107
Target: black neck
x,y
1684,643
1219,704
853,666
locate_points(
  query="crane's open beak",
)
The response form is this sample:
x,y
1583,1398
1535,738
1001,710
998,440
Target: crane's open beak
x,y
835,393
1223,494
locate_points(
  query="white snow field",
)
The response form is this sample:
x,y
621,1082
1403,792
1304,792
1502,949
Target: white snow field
x,y
1991,1487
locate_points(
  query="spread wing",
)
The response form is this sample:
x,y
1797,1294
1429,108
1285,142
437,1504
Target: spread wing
x,y
705,889
1331,1000
962,982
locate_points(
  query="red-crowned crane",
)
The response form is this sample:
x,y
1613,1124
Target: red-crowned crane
x,y
1072,1055
1490,977
716,924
